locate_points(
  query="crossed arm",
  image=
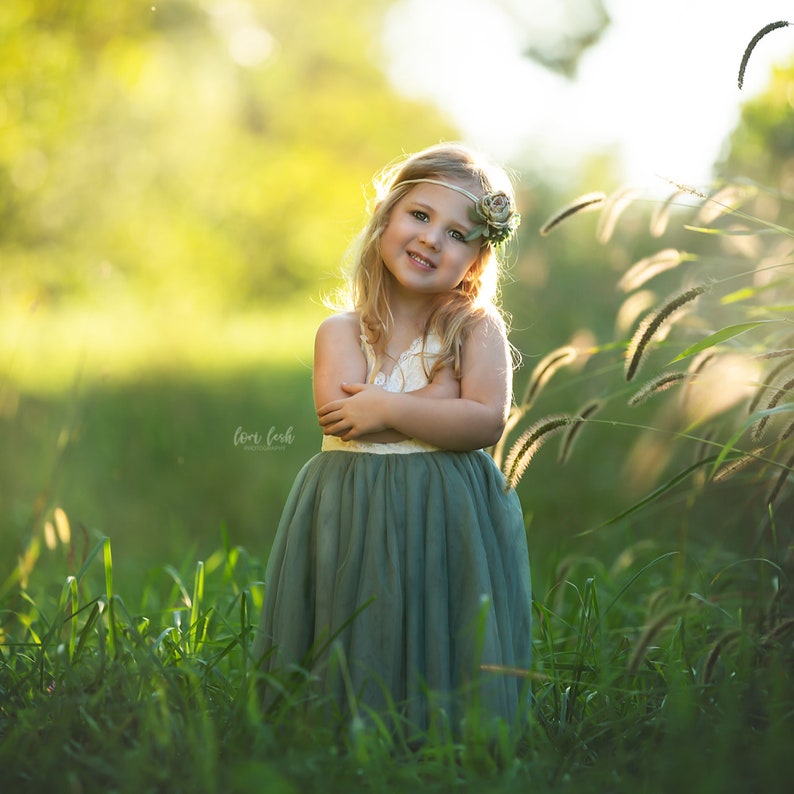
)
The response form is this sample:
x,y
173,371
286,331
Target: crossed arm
x,y
450,414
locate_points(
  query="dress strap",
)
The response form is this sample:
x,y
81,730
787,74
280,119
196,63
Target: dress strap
x,y
373,366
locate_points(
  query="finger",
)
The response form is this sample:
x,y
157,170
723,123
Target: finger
x,y
328,417
327,408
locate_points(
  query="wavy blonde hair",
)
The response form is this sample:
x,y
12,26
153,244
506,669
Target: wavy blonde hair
x,y
455,312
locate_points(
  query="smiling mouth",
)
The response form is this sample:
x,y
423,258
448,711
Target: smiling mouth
x,y
421,261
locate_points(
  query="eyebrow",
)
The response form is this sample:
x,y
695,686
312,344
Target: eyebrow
x,y
425,206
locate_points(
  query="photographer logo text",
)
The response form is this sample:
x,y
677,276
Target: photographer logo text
x,y
273,441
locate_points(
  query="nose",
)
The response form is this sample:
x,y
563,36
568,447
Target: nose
x,y
430,236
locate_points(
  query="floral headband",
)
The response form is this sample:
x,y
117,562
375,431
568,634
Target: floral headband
x,y
494,213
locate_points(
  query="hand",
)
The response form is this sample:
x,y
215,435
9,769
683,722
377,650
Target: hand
x,y
355,416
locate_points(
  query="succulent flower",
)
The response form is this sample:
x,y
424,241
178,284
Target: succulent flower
x,y
495,217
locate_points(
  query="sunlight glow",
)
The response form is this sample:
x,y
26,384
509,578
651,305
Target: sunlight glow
x,y
659,89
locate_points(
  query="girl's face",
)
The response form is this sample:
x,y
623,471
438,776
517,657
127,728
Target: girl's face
x,y
423,245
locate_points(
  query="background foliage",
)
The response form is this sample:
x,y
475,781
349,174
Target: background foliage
x,y
178,185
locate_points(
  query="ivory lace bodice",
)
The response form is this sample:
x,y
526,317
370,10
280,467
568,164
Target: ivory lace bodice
x,y
409,374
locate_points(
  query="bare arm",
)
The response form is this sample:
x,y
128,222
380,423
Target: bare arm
x,y
476,419
338,360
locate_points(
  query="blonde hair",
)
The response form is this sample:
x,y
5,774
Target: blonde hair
x,y
455,312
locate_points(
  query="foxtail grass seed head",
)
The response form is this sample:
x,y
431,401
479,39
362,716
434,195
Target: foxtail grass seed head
x,y
728,638
759,428
528,444
696,366
700,361
659,384
50,541
661,215
614,207
651,630
784,353
650,326
62,526
778,633
574,429
545,369
770,377
689,190
645,269
727,470
751,46
585,203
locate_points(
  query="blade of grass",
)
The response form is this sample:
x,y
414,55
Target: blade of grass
x,y
195,635
655,494
108,560
636,576
719,336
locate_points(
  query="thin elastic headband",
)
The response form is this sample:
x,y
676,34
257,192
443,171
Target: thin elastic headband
x,y
443,184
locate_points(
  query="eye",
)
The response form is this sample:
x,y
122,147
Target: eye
x,y
419,215
457,235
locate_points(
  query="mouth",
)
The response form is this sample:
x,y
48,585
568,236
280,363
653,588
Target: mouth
x,y
421,261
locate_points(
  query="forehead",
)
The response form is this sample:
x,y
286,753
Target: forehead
x,y
442,198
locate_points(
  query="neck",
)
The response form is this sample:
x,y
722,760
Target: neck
x,y
409,310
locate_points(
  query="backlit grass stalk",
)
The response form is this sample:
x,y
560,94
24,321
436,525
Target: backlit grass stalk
x,y
614,207
650,266
661,383
651,325
771,376
661,214
573,431
760,427
751,46
735,466
543,371
640,651
585,203
528,444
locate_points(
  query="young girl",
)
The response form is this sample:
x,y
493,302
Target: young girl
x,y
399,575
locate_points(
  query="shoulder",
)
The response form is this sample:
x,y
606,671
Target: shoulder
x,y
343,326
488,330
486,349
338,357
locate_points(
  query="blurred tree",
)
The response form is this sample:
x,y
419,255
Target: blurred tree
x,y
558,32
198,153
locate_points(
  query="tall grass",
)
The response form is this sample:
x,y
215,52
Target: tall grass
x,y
652,671
714,356
668,667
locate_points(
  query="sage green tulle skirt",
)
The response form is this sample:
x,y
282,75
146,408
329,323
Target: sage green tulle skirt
x,y
397,583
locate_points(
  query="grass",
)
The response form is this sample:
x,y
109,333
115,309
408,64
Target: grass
x,y
664,634
93,427
640,683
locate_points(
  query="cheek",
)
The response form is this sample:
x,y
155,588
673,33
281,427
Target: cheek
x,y
474,269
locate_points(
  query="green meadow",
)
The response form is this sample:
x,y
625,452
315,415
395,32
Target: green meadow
x,y
159,292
